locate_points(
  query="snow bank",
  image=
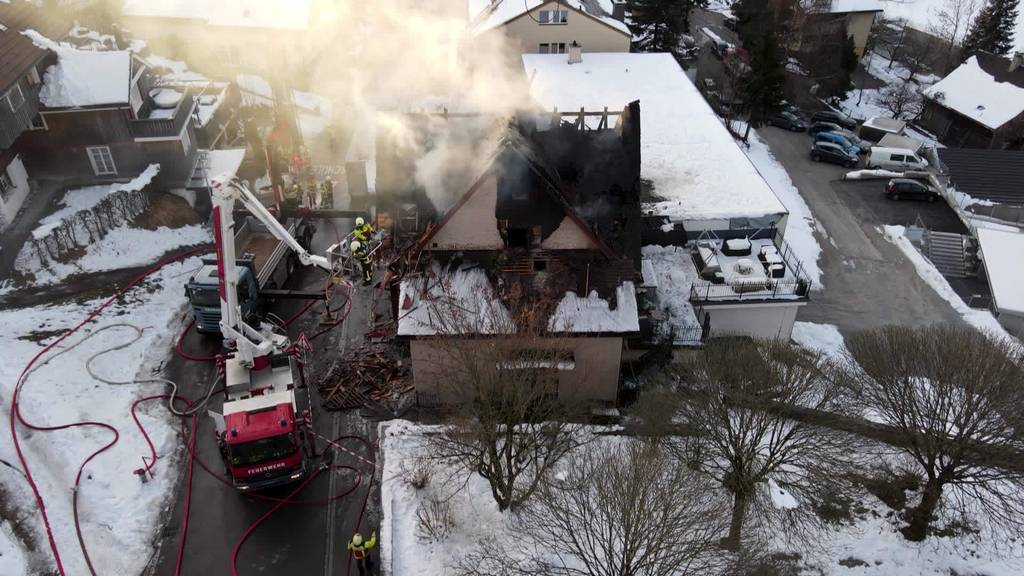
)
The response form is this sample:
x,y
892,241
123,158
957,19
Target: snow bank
x,y
120,514
801,224
980,319
123,247
824,338
870,174
80,199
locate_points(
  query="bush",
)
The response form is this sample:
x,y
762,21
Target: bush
x,y
434,520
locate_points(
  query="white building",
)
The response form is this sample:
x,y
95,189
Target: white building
x,y
1003,255
702,185
551,26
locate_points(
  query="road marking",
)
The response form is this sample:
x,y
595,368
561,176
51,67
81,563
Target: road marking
x,y
331,505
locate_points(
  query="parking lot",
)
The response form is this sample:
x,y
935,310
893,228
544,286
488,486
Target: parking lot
x,y
868,281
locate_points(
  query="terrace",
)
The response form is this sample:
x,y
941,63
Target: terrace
x,y
163,114
745,270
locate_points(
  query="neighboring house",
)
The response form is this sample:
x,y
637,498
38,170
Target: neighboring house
x,y
979,105
22,65
1001,253
549,26
103,117
700,191
225,37
549,226
986,175
858,17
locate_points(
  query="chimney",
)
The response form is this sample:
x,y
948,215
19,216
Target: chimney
x,y
619,10
1017,61
575,53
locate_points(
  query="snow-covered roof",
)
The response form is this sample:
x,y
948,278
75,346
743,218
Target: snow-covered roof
x,y
276,14
594,314
463,301
845,6
489,14
977,95
1005,267
697,169
83,77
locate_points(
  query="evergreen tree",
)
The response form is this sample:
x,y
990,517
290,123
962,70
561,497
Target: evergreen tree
x,y
992,30
762,85
660,23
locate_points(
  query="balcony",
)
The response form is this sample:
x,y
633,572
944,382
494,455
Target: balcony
x,y
742,270
157,122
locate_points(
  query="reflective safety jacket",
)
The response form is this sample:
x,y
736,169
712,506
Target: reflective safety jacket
x,y
363,233
363,550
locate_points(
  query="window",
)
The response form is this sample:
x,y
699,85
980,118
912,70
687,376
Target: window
x,y
39,123
552,48
6,185
101,159
898,157
32,77
15,98
548,17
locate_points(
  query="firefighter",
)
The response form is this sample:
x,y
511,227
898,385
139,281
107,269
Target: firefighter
x,y
362,254
361,552
363,231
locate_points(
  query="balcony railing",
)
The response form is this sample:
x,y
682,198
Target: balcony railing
x,y
771,289
164,127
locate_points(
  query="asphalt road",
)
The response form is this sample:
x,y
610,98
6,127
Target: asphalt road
x,y
868,282
297,539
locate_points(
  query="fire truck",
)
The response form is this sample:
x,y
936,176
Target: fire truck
x,y
262,432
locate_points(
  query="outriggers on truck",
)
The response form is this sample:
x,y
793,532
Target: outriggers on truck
x,y
263,431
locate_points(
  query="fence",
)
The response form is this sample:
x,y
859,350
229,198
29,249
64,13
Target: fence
x,y
703,291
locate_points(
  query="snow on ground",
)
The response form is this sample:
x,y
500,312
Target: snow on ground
x,y
120,514
721,6
872,538
675,274
801,225
124,247
824,338
695,165
79,199
980,319
13,555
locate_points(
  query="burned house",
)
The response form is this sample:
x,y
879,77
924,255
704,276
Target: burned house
x,y
547,225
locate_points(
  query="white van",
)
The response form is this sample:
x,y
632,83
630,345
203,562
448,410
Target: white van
x,y
895,159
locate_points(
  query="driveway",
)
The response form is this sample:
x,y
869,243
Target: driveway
x,y
868,282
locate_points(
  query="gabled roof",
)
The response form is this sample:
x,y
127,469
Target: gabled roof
x,y
487,15
513,143
994,175
983,89
18,53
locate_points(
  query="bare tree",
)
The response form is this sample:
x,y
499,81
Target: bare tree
x,y
775,469
902,100
505,419
950,23
954,394
623,509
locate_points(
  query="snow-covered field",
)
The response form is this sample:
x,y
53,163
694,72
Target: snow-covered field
x,y
980,319
119,514
801,225
868,545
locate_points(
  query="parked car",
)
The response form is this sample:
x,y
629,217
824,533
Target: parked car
x,y
895,159
834,154
853,138
786,120
835,118
823,127
907,189
785,106
837,139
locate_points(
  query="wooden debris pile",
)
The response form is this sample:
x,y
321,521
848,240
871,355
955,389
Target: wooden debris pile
x,y
368,373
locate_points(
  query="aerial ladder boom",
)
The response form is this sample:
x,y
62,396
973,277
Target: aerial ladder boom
x,y
251,342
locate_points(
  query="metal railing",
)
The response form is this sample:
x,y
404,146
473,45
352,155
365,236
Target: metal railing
x,y
165,127
708,292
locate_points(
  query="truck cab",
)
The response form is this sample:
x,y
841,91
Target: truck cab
x,y
202,293
261,435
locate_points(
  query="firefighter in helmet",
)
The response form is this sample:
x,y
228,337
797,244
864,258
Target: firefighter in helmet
x,y
361,552
363,231
361,253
